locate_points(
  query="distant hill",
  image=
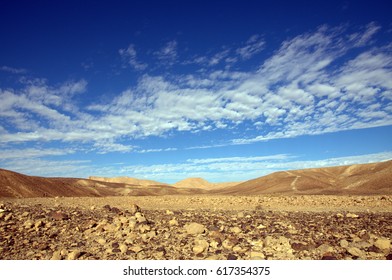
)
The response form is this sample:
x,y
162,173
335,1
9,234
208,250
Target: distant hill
x,y
361,179
365,179
200,183
16,185
13,184
128,181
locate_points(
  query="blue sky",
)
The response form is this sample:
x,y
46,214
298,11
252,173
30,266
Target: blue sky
x,y
225,90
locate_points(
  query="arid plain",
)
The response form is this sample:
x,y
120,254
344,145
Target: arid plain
x,y
340,212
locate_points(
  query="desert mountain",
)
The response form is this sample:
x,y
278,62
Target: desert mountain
x,y
128,181
16,185
200,183
365,179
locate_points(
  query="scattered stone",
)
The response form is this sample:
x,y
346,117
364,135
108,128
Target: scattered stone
x,y
134,209
194,228
325,248
355,251
74,255
56,255
57,215
329,258
101,241
351,215
232,257
136,249
35,232
28,224
238,249
200,246
106,207
344,243
228,244
39,224
140,217
235,230
173,222
8,217
115,210
383,244
123,248
257,255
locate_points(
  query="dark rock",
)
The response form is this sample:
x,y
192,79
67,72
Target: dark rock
x,y
107,207
231,257
115,210
329,258
59,216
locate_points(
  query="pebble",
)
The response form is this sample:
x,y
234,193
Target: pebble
x,y
228,244
136,249
344,243
355,251
325,248
173,222
383,244
140,218
351,215
74,255
123,248
58,215
257,255
134,209
8,217
200,246
235,230
101,241
195,228
56,255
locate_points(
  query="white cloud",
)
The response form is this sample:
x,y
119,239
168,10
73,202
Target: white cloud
x,y
129,55
12,70
253,46
32,153
302,89
168,53
241,168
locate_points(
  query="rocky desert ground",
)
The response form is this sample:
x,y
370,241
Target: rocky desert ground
x,y
342,212
197,227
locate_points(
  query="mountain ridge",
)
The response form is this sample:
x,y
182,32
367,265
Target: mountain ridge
x,y
357,179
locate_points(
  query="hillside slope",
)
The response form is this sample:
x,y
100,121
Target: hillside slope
x,y
366,179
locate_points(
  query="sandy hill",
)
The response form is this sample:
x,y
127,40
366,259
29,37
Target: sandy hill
x,y
128,181
373,178
16,185
200,183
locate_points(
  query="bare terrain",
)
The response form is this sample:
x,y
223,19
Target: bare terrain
x,y
329,213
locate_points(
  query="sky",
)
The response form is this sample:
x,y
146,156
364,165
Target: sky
x,y
165,90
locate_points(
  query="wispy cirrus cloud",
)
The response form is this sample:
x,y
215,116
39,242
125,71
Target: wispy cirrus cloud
x,y
12,70
241,168
253,46
303,88
129,55
168,53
